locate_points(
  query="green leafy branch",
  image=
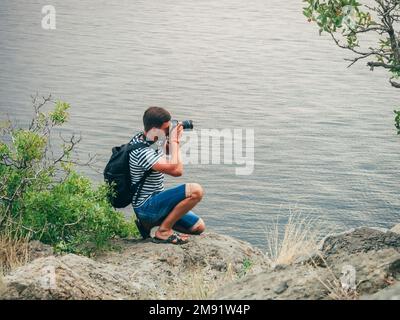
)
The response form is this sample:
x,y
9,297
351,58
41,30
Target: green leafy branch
x,y
346,20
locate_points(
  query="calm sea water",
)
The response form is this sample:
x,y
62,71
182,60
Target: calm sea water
x,y
325,143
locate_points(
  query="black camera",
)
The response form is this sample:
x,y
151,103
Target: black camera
x,y
186,124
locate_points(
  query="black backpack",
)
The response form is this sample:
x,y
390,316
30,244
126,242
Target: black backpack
x,y
117,175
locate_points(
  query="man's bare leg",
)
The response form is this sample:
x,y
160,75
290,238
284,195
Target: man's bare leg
x,y
198,228
194,193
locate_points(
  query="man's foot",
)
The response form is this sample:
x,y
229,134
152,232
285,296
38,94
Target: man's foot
x,y
174,238
165,234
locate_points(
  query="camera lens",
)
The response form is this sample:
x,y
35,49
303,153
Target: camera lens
x,y
187,124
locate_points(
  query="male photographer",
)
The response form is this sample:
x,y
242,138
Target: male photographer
x,y
169,209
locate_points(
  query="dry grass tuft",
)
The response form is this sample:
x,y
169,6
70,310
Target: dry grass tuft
x,y
2,284
195,286
299,238
337,292
14,251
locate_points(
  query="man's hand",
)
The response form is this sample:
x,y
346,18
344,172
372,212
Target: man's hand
x,y
172,166
176,134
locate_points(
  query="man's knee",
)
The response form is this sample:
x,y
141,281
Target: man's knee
x,y
199,227
194,191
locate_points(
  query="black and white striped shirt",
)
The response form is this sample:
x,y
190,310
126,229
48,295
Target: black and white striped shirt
x,y
143,159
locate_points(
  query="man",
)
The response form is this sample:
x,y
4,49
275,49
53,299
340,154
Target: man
x,y
169,209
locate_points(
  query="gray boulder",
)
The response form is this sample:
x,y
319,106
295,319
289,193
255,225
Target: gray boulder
x,y
390,293
367,256
360,240
67,277
37,249
396,228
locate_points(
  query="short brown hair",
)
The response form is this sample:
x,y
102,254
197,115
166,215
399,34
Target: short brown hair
x,y
154,117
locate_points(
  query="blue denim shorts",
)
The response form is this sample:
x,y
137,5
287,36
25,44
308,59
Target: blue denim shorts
x,y
156,208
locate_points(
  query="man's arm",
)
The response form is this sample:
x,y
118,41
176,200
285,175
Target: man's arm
x,y
174,165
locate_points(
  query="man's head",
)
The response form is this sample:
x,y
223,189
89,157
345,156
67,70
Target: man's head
x,y
156,118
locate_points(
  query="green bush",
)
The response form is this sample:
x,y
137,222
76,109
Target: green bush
x,y
41,196
74,216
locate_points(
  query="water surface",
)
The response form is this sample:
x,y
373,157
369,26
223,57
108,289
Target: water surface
x,y
325,141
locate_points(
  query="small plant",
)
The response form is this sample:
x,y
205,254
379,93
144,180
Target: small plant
x,y
247,265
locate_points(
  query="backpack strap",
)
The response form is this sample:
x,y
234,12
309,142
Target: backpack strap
x,y
137,187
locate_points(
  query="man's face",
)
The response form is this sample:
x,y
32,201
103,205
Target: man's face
x,y
156,134
165,127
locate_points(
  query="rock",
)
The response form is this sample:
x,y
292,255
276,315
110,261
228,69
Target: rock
x,y
389,293
314,259
281,287
37,249
138,270
360,240
373,269
278,267
396,228
394,269
372,254
301,283
68,277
